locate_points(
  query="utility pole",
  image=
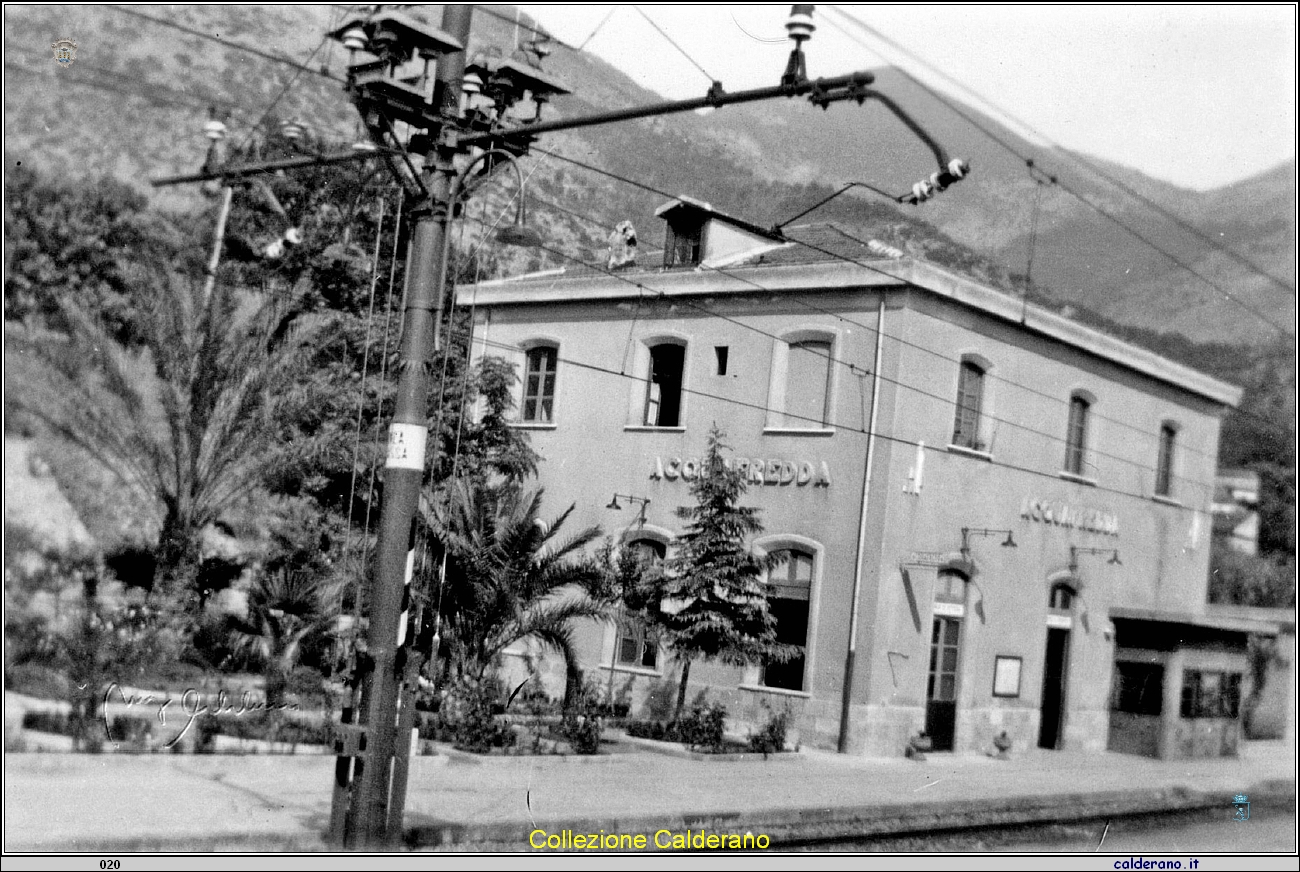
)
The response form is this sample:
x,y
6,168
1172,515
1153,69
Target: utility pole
x,y
369,824
391,90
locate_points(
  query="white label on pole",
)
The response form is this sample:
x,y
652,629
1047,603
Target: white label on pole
x,y
406,446
1060,622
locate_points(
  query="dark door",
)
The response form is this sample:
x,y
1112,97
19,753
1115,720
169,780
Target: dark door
x,y
941,691
1054,667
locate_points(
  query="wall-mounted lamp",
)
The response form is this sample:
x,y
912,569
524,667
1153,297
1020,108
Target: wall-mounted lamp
x,y
644,501
967,532
1075,551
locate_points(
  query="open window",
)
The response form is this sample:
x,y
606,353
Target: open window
x,y
663,401
684,240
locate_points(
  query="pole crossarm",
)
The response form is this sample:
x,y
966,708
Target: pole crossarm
x,y
847,87
265,167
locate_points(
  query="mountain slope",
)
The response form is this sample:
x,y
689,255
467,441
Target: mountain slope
x,y
133,105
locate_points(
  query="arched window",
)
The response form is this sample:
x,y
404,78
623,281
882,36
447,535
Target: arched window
x,y
970,401
1061,597
950,587
789,586
808,383
636,644
801,392
1076,434
1165,460
539,384
663,400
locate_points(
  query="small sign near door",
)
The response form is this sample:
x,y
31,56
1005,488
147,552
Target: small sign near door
x,y
1006,676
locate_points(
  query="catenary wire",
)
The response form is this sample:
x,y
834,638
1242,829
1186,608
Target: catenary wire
x,y
1119,222
837,255
674,44
759,407
854,369
162,22
1076,158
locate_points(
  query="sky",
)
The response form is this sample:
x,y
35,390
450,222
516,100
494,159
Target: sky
x,y
1198,95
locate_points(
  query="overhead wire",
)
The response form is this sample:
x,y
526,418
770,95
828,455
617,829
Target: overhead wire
x,y
361,397
1110,216
595,31
853,368
248,49
280,96
837,315
674,44
1076,158
760,407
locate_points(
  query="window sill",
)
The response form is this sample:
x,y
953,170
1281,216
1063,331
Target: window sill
x,y
977,453
531,425
645,428
635,670
780,691
798,431
1077,479
1168,501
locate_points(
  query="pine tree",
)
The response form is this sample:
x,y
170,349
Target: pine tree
x,y
713,587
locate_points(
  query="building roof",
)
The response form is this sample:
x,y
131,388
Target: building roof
x,y
821,257
1214,620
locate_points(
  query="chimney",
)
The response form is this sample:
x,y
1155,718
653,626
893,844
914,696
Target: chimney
x,y
622,246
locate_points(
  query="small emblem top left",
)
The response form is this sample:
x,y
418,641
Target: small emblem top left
x,y
65,52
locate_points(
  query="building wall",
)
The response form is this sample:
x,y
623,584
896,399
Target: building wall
x,y
1163,545
919,500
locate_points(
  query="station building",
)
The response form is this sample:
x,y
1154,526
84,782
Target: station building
x,y
993,518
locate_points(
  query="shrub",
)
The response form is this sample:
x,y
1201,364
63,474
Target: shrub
x,y
583,733
702,727
35,679
468,716
47,722
647,730
771,738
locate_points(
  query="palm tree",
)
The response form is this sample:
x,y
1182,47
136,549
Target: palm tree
x,y
512,576
285,609
187,422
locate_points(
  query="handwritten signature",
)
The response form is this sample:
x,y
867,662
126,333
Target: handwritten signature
x,y
192,707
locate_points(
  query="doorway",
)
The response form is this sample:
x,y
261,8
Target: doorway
x,y
941,691
1055,664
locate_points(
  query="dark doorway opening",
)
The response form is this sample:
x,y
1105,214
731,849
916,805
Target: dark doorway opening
x,y
941,690
1054,669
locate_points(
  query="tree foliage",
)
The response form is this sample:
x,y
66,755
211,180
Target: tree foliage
x,y
186,421
511,575
95,242
1243,579
711,594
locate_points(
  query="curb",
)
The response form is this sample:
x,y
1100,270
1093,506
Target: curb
x,y
812,825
